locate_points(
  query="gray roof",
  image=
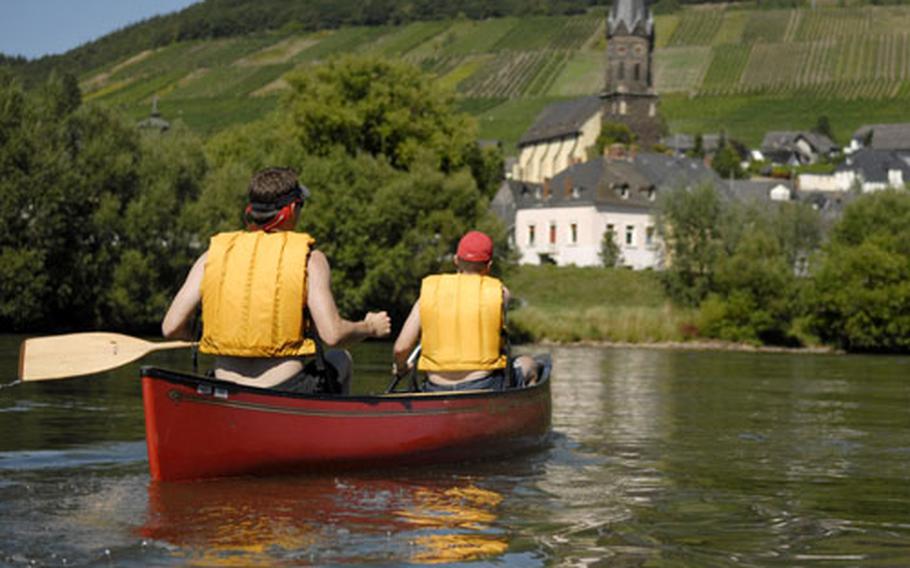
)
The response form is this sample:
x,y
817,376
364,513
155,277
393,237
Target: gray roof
x,y
785,141
562,119
759,191
874,165
885,136
629,17
671,172
621,183
686,142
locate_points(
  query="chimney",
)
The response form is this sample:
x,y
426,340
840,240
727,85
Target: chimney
x,y
567,186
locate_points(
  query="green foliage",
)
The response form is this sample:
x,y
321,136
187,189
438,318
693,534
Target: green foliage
x,y
689,223
87,211
727,163
861,295
378,107
613,133
610,253
738,263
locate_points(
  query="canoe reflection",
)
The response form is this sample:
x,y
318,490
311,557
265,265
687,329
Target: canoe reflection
x,y
248,521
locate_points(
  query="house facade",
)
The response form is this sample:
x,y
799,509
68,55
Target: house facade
x,y
564,220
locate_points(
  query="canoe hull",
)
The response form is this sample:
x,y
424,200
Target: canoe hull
x,y
203,428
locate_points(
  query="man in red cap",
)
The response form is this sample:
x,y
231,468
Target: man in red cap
x,y
267,305
460,322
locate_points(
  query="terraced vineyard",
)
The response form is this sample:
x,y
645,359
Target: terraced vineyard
x,y
505,70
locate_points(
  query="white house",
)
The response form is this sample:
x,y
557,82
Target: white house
x,y
564,220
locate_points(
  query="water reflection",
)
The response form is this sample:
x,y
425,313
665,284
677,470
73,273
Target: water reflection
x,y
254,522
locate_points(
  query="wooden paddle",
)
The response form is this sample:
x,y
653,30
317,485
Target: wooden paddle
x,y
74,354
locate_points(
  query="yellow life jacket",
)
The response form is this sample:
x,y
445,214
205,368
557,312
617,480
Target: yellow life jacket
x,y
461,322
253,294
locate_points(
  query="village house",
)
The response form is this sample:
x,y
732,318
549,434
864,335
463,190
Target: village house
x,y
684,144
796,148
564,219
864,170
886,137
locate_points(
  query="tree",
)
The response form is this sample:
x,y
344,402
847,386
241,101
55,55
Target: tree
x,y
610,254
613,133
726,162
823,127
689,223
860,299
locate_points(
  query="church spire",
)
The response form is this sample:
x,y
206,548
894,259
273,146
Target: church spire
x,y
630,17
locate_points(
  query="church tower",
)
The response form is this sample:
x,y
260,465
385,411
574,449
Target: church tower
x,y
629,96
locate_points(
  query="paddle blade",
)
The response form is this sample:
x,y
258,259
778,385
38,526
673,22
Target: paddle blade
x,y
75,354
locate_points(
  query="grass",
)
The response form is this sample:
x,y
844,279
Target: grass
x,y
748,117
592,304
508,121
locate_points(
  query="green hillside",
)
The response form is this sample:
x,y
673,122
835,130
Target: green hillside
x,y
717,67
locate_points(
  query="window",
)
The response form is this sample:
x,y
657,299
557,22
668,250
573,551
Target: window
x,y
552,233
630,235
574,229
638,72
622,71
649,236
531,235
652,194
624,192
623,108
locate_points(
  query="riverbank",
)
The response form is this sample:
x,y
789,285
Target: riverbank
x,y
698,345
609,308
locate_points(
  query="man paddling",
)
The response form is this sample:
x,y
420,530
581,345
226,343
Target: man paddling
x,y
267,301
459,319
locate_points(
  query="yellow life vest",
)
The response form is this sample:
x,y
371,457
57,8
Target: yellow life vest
x,y
253,294
461,322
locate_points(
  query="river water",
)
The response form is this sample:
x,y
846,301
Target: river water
x,y
657,458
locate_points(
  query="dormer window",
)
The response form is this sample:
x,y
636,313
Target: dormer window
x,y
624,192
652,194
537,193
576,192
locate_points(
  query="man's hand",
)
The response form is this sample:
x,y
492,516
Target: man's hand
x,y
379,324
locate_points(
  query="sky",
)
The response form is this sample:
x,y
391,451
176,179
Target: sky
x,y
44,27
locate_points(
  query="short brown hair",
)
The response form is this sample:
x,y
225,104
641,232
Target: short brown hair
x,y
268,185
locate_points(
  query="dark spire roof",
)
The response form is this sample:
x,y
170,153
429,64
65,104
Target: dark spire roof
x,y
630,17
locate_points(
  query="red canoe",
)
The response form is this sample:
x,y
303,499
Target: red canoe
x,y
198,427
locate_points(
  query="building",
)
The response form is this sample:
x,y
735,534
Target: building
x,y
629,95
154,122
864,170
564,219
684,144
560,136
888,137
797,148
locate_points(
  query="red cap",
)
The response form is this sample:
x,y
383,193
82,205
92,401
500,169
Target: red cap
x,y
475,247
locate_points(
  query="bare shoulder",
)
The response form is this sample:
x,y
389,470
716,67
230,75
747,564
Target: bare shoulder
x,y
317,260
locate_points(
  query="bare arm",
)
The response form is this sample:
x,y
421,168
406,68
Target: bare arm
x,y
407,339
179,317
332,328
